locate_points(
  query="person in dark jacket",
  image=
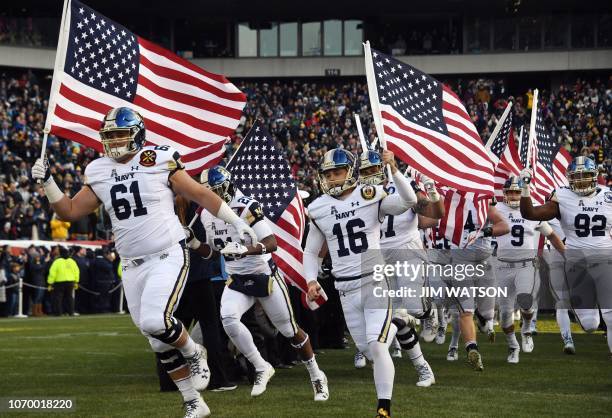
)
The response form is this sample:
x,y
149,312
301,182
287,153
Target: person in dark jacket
x,y
102,277
35,277
83,301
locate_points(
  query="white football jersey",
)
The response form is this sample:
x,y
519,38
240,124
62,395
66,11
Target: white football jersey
x,y
218,233
400,231
585,220
138,199
520,243
351,227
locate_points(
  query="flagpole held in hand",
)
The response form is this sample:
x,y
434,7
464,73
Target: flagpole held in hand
x,y
364,143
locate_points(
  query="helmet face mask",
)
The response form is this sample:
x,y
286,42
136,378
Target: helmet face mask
x,y
337,172
219,181
582,176
512,191
122,133
371,170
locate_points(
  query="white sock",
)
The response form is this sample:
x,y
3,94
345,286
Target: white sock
x,y
185,386
189,349
607,317
511,340
384,370
416,355
243,340
441,318
526,327
456,331
313,368
563,321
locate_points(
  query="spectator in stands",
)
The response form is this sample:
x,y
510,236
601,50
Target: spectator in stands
x,y
12,292
82,301
59,229
63,279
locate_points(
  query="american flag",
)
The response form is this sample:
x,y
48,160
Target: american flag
x,y
505,154
102,65
562,160
457,204
259,170
426,126
524,144
545,150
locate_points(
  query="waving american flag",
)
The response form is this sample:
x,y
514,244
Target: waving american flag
x,y
101,64
426,125
259,170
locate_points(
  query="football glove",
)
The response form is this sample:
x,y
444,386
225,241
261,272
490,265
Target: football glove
x,y
40,170
544,228
234,249
191,240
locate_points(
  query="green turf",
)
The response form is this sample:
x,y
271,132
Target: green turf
x,y
107,367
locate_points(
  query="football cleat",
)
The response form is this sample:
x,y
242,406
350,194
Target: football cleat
x,y
262,377
382,413
321,391
475,360
491,335
360,360
526,343
196,408
441,336
568,345
426,376
452,354
513,355
427,329
198,366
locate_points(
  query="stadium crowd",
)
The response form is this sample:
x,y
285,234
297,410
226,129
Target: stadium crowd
x,y
306,118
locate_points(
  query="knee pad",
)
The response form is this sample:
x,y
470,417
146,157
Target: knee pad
x,y
166,332
231,325
171,360
408,338
525,301
506,319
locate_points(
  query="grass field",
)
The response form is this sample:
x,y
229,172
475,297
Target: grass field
x,y
106,366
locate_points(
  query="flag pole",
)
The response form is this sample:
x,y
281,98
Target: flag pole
x,y
374,103
364,143
520,139
60,58
498,126
532,131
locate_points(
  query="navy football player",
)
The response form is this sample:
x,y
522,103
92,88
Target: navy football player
x,y
516,269
585,212
400,239
253,277
347,218
136,185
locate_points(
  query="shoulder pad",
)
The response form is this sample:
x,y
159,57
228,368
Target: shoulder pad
x,y
254,213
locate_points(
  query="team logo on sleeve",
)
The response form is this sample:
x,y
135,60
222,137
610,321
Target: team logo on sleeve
x,y
608,197
368,192
147,158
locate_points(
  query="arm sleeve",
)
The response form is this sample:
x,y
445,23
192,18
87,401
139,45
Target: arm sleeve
x,y
404,188
314,242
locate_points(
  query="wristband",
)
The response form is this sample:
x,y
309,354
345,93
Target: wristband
x,y
53,192
263,248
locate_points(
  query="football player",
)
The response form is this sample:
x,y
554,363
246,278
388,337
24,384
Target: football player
x,y
585,212
253,277
136,185
400,239
347,218
474,249
516,269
